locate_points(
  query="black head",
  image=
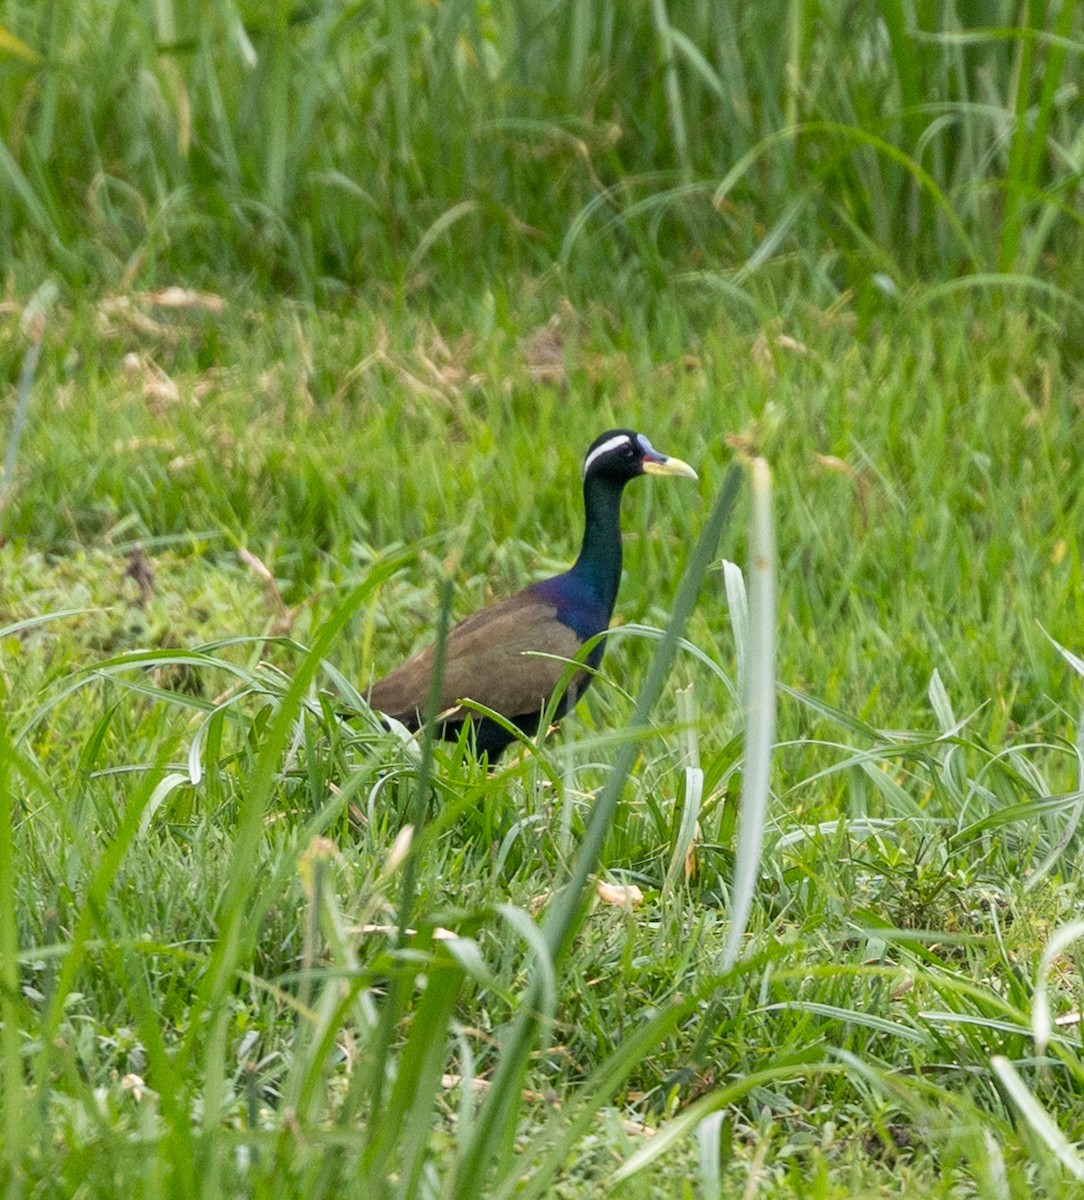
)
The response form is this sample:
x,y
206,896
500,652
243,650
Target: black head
x,y
621,454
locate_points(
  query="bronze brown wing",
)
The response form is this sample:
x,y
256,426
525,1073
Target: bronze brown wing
x,y
486,660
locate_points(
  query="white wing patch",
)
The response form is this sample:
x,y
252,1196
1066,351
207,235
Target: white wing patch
x,y
605,448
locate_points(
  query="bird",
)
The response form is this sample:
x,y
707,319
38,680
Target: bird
x,y
511,655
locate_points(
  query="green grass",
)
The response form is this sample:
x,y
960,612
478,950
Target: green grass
x,y
335,148
441,247
194,843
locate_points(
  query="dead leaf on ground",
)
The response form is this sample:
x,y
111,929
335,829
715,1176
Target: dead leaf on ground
x,y
178,297
621,895
440,934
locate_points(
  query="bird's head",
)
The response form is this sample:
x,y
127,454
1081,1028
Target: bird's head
x,y
621,454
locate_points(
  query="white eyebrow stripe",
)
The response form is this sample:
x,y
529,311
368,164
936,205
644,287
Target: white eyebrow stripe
x,y
605,448
645,445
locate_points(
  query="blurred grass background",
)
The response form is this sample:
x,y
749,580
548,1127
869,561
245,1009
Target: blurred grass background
x,y
415,147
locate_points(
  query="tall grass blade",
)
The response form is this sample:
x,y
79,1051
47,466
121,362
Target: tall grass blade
x,y
674,103
437,230
694,792
708,1135
737,603
994,283
28,623
759,710
15,46
1038,1119
1042,1024
19,185
33,327
13,1120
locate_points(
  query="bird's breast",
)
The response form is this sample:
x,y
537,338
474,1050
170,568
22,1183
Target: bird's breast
x,y
578,605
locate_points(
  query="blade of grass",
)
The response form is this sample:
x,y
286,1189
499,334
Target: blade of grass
x,y
671,84
33,327
694,791
1042,1024
11,1076
1037,1117
759,708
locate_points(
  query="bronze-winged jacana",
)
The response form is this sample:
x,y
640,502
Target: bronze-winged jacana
x,y
494,657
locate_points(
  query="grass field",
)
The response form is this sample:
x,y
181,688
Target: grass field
x,y
256,449
920,850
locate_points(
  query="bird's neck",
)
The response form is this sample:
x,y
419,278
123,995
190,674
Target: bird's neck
x,y
599,563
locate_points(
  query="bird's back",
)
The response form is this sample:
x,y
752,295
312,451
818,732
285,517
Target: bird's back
x,y
496,657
